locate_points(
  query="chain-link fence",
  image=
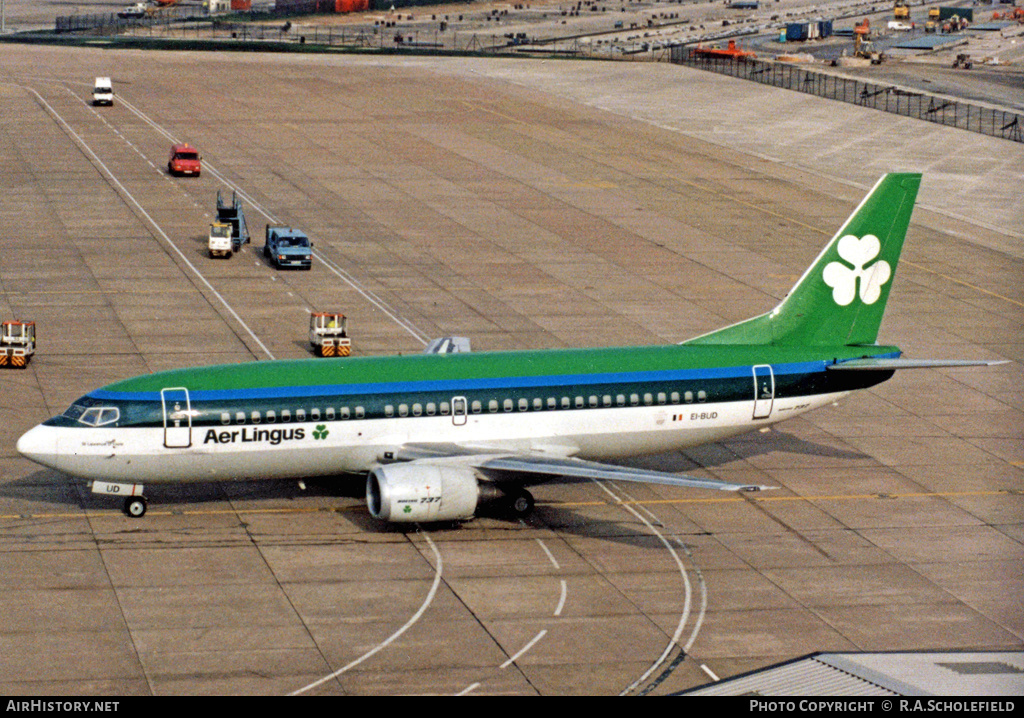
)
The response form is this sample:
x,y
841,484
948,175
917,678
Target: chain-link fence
x,y
110,22
887,98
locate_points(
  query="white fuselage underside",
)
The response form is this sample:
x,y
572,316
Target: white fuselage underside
x,y
137,455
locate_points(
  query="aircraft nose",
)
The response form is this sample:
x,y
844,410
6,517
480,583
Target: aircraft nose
x,y
39,445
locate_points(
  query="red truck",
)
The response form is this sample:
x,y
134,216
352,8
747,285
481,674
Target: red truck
x,y
185,160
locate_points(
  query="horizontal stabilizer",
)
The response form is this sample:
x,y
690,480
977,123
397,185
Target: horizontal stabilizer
x,y
447,345
869,364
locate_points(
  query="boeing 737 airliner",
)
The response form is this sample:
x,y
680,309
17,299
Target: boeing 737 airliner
x,y
439,434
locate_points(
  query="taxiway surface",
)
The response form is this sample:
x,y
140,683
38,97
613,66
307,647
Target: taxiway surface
x,y
523,204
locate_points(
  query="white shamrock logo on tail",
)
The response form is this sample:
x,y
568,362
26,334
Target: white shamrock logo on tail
x,y
843,280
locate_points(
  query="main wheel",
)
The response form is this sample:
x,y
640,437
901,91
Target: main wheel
x,y
135,506
521,503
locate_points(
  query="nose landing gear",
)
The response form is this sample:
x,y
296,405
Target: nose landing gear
x,y
135,503
135,506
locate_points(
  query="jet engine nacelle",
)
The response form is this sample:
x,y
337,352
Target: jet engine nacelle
x,y
421,492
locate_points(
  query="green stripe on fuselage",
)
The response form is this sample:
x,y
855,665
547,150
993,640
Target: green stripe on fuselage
x,y
482,365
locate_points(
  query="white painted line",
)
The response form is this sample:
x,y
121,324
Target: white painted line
x,y
394,636
468,689
561,601
674,641
551,556
709,672
703,599
131,198
524,649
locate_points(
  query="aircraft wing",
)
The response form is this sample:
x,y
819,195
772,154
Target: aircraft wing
x,y
543,467
872,364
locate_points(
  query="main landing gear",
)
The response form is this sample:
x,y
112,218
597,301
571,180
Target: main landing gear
x,y
521,503
135,503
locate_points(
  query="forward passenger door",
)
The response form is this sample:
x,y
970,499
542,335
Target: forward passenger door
x,y
177,411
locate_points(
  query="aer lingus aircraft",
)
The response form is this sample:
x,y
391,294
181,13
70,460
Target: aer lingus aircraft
x,y
439,434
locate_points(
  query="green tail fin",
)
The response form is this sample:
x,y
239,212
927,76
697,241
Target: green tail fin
x,y
841,298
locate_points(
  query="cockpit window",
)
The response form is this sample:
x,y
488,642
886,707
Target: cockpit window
x,y
74,412
98,415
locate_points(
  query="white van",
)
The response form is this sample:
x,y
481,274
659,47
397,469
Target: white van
x,y
102,92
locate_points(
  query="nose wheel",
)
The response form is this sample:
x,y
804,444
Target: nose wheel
x,y
135,506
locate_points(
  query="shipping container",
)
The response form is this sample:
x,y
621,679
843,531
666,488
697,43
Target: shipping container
x,y
796,31
965,13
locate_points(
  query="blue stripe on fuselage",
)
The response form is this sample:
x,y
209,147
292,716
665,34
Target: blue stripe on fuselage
x,y
454,386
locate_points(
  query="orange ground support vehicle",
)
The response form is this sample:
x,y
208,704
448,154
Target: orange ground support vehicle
x,y
184,160
328,334
731,51
17,343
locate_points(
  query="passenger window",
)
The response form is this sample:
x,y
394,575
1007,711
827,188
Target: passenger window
x,y
271,417
492,405
552,404
675,397
620,399
476,407
225,418
592,401
389,410
300,415
286,415
702,395
523,405
431,408
403,410
507,405
417,409
240,417
330,413
445,408
360,412
606,399
648,399
538,405
634,399
314,414
344,413
255,416
661,397
579,402
565,402
689,397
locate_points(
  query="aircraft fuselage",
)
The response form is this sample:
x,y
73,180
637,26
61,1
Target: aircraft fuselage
x,y
314,418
